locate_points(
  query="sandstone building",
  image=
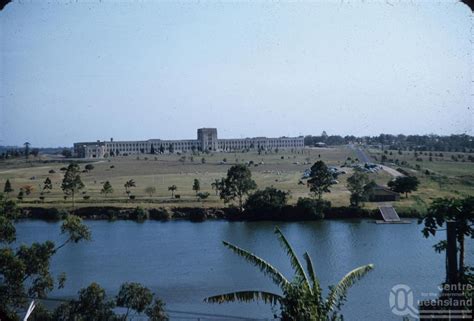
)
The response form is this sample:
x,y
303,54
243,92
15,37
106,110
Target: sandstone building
x,y
206,141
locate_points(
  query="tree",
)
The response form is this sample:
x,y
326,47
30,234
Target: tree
x,y
66,153
128,185
134,296
237,184
162,149
25,269
150,190
107,188
356,185
92,305
7,189
27,149
172,188
47,185
269,200
320,179
89,167
301,298
171,148
156,312
35,152
217,185
72,182
152,149
196,186
458,210
404,184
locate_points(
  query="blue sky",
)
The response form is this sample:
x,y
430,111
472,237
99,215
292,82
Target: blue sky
x,y
86,70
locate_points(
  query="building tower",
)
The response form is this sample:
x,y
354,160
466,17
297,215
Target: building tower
x,y
207,138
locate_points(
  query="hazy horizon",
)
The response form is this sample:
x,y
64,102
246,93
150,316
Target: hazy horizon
x,y
75,71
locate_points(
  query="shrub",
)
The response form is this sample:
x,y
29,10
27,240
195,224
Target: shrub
x,y
52,171
197,216
310,207
177,196
86,197
269,201
53,214
139,214
132,197
161,214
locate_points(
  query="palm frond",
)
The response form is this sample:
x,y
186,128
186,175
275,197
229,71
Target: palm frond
x,y
263,265
339,291
245,296
295,262
312,274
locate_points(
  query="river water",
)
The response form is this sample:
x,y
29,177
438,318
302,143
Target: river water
x,y
184,262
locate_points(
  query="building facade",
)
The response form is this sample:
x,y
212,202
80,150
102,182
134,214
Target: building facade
x,y
206,141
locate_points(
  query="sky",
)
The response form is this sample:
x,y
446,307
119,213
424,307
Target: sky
x,y
86,70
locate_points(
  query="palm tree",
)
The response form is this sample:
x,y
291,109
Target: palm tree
x,y
301,298
216,185
128,185
172,188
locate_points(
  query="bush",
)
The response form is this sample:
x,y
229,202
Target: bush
x,y
310,207
197,215
139,214
86,197
53,214
132,197
161,214
266,203
52,171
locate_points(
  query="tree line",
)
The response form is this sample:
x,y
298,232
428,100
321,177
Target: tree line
x,y
451,143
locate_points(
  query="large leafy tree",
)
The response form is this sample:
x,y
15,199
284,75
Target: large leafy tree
x,y
237,184
356,184
270,200
93,305
404,184
25,270
320,179
301,299
458,210
72,182
134,296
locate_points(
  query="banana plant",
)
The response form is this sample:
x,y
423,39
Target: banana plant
x,y
301,299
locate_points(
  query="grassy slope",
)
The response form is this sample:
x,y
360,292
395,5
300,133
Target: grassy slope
x,y
451,179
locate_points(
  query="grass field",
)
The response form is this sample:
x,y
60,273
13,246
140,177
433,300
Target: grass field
x,y
444,178
282,170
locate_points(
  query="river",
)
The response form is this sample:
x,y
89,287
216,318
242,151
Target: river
x,y
183,262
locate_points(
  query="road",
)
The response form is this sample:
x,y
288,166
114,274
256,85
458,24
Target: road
x,y
361,155
364,158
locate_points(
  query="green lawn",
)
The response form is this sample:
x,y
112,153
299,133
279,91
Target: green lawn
x,y
160,171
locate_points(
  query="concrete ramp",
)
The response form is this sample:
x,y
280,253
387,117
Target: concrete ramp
x,y
389,214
